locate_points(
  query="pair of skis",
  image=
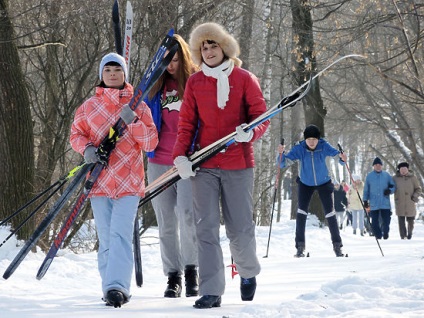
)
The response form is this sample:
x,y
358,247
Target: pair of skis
x,y
171,176
125,51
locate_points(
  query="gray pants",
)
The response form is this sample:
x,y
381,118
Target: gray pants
x,y
233,190
175,217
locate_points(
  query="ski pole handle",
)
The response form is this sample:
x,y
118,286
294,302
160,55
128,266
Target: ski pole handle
x,y
340,148
282,142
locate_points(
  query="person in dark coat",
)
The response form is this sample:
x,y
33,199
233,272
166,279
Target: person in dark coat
x,y
340,203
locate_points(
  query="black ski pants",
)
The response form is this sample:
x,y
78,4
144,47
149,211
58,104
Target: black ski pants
x,y
325,193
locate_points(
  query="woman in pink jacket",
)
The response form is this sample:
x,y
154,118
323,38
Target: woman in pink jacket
x,y
218,100
117,191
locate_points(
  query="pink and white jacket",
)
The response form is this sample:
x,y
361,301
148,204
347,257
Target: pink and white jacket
x,y
124,174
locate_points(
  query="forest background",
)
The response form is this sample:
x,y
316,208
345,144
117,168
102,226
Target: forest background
x,y
372,105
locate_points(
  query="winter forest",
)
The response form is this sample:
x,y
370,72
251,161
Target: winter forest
x,y
371,104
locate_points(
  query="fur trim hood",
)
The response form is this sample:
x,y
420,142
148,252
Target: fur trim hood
x,y
215,32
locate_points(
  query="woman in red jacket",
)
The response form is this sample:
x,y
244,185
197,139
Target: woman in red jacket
x,y
117,191
218,100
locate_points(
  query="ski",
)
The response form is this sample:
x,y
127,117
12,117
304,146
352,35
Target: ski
x,y
126,53
301,256
117,27
138,268
307,255
138,265
171,176
53,212
155,70
128,35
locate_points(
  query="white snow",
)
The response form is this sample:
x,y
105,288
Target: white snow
x,y
364,284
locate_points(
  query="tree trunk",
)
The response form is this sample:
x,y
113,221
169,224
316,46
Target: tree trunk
x,y
305,66
17,158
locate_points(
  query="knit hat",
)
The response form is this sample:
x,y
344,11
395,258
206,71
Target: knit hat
x,y
377,161
403,164
356,177
213,32
311,131
113,57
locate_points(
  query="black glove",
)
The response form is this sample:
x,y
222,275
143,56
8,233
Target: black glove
x,y
387,192
287,100
90,155
366,204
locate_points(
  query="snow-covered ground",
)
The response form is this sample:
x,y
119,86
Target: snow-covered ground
x,y
365,284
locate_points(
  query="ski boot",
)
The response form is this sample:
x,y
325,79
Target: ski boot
x,y
300,250
115,298
191,281
208,301
247,288
337,247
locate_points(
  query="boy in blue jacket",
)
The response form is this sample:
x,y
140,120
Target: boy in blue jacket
x,y
313,176
379,185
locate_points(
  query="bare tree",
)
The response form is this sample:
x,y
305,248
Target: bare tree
x,y
17,150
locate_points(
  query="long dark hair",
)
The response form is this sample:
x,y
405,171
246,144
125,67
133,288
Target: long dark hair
x,y
185,69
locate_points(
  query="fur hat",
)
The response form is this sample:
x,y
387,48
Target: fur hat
x,y
403,164
311,131
377,161
113,57
213,32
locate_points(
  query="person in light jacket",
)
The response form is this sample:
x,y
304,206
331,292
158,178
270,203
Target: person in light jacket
x,y
218,101
314,176
116,193
379,185
355,204
407,193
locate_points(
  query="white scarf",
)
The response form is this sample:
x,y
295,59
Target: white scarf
x,y
221,73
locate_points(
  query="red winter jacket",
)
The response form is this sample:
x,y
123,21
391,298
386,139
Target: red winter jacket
x,y
200,110
124,174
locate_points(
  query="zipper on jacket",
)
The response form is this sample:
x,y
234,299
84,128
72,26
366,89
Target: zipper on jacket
x,y
313,167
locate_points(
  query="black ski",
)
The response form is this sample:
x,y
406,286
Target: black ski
x,y
138,269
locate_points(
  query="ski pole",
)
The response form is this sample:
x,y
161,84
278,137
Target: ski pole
x,y
32,214
32,201
59,182
277,179
359,196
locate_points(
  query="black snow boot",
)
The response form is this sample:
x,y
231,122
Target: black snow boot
x,y
208,301
337,247
173,289
300,250
247,288
191,281
115,298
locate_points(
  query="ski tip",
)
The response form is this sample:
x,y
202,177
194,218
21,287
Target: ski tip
x,y
115,12
346,255
307,254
